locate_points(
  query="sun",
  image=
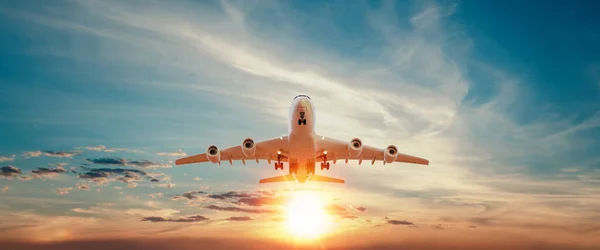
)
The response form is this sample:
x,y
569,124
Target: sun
x,y
306,217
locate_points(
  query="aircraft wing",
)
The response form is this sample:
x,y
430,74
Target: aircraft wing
x,y
265,150
338,150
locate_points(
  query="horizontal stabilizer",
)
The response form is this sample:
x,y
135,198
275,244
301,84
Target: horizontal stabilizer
x,y
282,178
322,178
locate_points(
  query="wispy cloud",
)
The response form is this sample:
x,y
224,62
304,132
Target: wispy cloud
x,y
59,154
6,158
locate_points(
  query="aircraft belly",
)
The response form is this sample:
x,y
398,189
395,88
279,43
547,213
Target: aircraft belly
x,y
302,153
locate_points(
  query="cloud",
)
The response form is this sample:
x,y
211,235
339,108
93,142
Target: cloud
x,y
6,158
195,218
9,171
156,195
63,191
399,222
243,210
178,153
103,176
239,218
190,195
83,186
59,154
5,189
47,172
102,148
256,198
124,162
167,185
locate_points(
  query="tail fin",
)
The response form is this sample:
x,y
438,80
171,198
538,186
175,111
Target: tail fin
x,y
281,178
322,178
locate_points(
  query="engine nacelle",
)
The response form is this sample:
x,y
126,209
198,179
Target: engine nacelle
x,y
355,147
248,147
213,154
390,154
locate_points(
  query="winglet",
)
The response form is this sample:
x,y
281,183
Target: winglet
x,y
281,178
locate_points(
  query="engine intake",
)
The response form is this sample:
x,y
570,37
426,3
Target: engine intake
x,y
248,147
213,154
355,147
390,154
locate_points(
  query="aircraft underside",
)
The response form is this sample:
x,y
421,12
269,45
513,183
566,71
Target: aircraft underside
x,y
302,149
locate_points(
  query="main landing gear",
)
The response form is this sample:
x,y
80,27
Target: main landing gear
x,y
278,164
325,164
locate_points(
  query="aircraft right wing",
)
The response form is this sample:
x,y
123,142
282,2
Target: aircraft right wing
x,y
341,150
263,150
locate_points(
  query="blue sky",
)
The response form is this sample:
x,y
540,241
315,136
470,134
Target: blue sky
x,y
502,97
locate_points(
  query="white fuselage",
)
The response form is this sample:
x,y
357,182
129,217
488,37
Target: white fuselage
x,y
302,145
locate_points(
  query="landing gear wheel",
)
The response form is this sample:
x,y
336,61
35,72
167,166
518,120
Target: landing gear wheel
x,y
327,166
303,121
278,165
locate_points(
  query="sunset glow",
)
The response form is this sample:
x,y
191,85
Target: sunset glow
x,y
306,217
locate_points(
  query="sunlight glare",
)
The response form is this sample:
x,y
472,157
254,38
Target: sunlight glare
x,y
306,215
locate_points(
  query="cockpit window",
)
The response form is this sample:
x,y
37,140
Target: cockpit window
x,y
301,96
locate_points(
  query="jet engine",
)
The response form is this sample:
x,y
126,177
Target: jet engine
x,y
213,154
355,147
390,154
248,147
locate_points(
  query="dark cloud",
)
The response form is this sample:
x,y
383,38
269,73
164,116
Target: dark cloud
x,y
105,175
244,210
255,199
190,195
108,161
361,209
239,218
39,172
154,180
399,222
229,195
114,161
62,154
9,171
195,218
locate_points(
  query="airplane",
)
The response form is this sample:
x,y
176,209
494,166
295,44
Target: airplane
x,y
301,148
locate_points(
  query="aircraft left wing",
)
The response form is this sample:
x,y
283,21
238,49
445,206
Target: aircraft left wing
x,y
263,150
343,150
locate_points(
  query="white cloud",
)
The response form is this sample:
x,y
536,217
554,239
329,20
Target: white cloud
x,y
178,153
7,158
63,191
